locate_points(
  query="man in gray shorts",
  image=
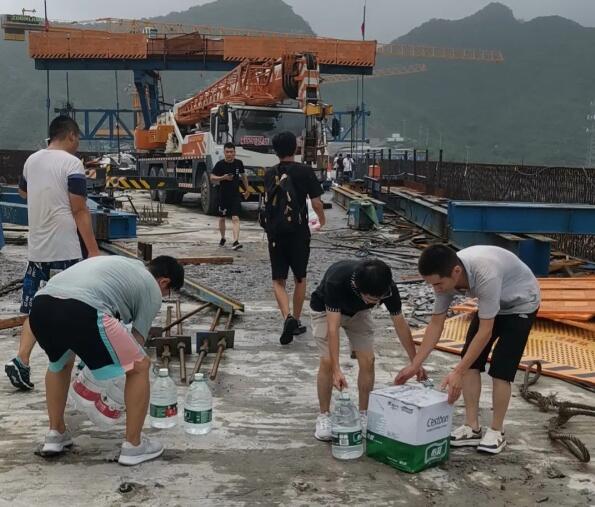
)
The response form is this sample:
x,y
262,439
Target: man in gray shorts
x,y
508,298
344,299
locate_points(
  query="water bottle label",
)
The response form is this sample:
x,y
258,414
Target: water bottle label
x,y
347,439
164,410
198,417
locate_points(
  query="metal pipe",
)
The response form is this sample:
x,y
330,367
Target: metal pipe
x,y
168,325
216,320
178,315
229,319
184,317
204,350
182,352
220,350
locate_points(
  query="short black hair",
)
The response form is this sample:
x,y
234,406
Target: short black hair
x,y
373,277
168,267
284,144
438,260
61,126
229,145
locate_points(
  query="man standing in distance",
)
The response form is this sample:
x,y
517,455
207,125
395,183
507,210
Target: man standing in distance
x,y
54,184
291,250
227,174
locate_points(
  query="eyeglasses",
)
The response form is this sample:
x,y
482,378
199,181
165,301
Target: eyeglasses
x,y
376,300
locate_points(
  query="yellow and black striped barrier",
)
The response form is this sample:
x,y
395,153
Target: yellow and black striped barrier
x,y
141,183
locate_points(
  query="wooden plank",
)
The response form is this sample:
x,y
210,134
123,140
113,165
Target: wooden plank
x,y
587,282
205,260
568,294
12,322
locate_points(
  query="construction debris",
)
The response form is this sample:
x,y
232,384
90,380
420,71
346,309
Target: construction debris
x,y
566,410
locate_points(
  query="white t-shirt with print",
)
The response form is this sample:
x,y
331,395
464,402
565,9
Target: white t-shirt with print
x,y
52,229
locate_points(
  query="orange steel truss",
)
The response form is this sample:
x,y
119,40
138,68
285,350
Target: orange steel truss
x,y
95,44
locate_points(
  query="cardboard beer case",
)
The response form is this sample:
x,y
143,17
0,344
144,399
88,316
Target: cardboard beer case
x,y
409,427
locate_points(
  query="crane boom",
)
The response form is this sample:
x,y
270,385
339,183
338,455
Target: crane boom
x,y
253,83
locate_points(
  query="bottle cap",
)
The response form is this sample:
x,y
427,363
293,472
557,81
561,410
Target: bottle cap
x,y
344,395
163,372
199,376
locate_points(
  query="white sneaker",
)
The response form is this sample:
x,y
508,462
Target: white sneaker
x,y
323,428
55,442
134,454
493,442
465,436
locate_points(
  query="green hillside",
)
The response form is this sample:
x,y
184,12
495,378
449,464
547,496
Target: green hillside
x,y
531,109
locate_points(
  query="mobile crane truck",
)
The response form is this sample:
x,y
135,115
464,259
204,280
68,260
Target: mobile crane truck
x,y
247,106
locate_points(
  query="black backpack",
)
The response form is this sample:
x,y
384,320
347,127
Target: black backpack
x,y
280,212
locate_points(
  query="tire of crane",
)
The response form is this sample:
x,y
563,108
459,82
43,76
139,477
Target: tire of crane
x,y
168,196
208,195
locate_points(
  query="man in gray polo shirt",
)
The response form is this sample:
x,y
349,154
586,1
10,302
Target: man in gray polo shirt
x,y
508,298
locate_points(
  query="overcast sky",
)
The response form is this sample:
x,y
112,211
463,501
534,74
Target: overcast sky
x,y
386,19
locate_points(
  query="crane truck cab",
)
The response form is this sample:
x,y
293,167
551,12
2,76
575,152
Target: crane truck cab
x,y
190,155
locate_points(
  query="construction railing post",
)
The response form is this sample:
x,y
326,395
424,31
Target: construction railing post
x,y
414,165
440,167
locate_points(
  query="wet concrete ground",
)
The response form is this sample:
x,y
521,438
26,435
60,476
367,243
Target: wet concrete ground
x,y
261,450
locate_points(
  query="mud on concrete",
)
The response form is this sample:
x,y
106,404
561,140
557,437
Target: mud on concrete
x,y
261,450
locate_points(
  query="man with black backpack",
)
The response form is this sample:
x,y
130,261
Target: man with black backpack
x,y
284,217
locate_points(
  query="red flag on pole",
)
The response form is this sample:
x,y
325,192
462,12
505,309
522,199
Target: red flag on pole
x,y
364,23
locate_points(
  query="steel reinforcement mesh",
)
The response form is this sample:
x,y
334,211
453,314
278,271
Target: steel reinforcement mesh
x,y
566,352
484,182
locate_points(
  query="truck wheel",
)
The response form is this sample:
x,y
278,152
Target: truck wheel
x,y
208,195
154,193
169,196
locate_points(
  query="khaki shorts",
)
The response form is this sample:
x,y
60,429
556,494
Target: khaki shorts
x,y
359,329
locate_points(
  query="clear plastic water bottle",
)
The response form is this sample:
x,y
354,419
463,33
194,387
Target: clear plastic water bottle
x,y
110,408
198,407
163,408
86,389
346,429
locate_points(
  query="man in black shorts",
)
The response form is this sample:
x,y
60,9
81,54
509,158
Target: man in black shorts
x,y
227,174
508,299
344,299
292,250
83,311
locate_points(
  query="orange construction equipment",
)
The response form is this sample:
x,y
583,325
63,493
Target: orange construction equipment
x,y
95,44
417,51
566,352
378,73
567,300
258,84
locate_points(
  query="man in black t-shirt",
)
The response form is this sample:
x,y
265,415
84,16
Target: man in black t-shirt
x,y
344,299
227,173
292,250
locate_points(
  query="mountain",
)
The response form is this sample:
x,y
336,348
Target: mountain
x,y
530,109
272,15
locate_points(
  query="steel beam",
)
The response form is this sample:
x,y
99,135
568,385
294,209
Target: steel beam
x,y
430,217
160,64
532,250
521,217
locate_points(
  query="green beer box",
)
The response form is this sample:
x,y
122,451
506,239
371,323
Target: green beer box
x,y
408,427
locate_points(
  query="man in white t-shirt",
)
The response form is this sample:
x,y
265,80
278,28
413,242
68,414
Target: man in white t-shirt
x,y
54,184
347,167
